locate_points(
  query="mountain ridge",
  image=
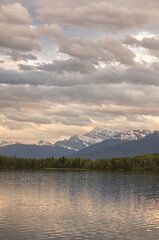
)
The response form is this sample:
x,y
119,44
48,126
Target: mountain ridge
x,y
33,151
97,138
96,135
99,134
144,146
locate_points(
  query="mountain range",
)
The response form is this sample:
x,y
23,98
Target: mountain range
x,y
34,151
101,142
114,148
99,134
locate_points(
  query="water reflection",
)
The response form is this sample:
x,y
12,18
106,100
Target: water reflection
x,y
79,205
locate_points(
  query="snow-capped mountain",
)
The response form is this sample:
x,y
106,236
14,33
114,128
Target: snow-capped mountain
x,y
99,134
132,134
6,143
40,143
77,143
117,148
43,143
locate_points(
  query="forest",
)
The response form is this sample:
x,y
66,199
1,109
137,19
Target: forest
x,y
149,162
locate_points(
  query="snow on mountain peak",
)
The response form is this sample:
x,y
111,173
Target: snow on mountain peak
x,y
6,143
99,134
96,135
132,134
43,143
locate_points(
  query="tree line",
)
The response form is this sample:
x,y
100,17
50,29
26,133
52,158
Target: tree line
x,y
140,162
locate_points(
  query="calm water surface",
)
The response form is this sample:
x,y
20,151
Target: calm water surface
x,y
79,205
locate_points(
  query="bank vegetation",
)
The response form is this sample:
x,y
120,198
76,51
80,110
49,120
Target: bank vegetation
x,y
150,162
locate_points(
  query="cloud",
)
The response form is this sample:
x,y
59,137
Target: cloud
x,y
25,67
15,29
103,15
8,14
102,103
149,43
69,65
17,56
66,73
155,65
52,31
104,49
23,37
116,100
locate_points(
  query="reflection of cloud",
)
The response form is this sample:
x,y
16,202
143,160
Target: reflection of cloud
x,y
61,203
1,204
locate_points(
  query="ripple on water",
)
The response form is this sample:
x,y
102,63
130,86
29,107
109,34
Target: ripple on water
x,y
79,205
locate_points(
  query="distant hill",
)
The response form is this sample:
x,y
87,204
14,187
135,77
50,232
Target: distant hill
x,y
33,151
89,151
145,146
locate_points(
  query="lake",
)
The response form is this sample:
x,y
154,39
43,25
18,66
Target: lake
x,y
40,205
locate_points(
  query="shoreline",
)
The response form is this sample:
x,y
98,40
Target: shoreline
x,y
147,162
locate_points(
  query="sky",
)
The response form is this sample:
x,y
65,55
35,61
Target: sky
x,y
67,66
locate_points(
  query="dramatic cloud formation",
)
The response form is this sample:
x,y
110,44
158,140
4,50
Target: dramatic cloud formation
x,y
69,65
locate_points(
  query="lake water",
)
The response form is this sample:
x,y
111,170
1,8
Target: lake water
x,y
37,205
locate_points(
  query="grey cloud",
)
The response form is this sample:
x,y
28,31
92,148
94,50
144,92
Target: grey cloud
x,y
25,67
15,29
13,125
70,65
14,14
44,114
89,50
118,110
80,94
151,44
39,104
28,118
144,4
23,37
52,30
155,65
120,52
35,78
17,56
99,82
105,49
84,121
141,75
121,98
130,40
55,76
102,14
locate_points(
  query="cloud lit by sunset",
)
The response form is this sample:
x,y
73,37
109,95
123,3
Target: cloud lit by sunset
x,y
67,66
